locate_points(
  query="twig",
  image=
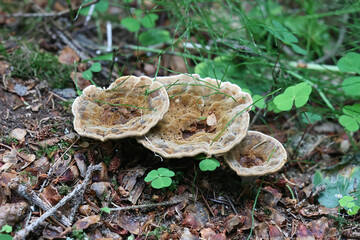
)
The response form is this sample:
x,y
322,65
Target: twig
x,y
52,14
36,200
25,231
150,205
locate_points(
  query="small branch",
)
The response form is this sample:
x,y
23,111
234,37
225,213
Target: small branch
x,y
150,205
31,196
23,233
52,14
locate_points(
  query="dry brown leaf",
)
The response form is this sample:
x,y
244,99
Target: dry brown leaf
x,y
51,194
81,82
84,223
68,56
18,133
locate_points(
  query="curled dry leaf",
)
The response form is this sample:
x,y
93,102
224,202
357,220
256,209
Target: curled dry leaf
x,y
51,194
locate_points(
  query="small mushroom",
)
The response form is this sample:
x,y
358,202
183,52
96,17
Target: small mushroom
x,y
129,107
256,155
205,116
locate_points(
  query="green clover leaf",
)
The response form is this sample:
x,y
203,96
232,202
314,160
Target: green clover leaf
x,y
299,94
351,119
209,164
87,74
149,20
160,178
131,24
96,67
351,86
350,63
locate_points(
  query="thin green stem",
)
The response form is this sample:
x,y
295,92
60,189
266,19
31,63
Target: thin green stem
x,y
253,209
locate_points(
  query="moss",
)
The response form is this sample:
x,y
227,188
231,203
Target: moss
x,y
29,62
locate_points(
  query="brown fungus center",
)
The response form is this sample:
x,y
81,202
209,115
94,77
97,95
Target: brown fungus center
x,y
249,161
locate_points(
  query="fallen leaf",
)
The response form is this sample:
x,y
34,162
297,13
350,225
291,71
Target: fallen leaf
x,y
195,216
84,223
233,222
79,80
51,194
68,56
303,233
18,133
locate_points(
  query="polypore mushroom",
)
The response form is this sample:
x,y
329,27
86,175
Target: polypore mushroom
x,y
256,155
205,116
129,107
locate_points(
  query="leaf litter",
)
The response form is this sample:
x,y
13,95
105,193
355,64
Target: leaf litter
x,y
36,152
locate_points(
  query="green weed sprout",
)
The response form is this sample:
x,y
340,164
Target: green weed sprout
x,y
160,178
150,37
283,34
298,93
96,67
347,202
209,164
351,117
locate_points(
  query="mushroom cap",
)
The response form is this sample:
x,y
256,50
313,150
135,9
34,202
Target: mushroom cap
x,y
200,110
256,155
122,110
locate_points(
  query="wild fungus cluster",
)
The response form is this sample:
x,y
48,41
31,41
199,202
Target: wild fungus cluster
x,y
180,116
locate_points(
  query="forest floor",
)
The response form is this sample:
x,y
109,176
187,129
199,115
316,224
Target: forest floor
x,y
56,184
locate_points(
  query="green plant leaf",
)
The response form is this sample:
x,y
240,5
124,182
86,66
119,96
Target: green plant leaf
x,y
318,178
353,210
105,209
160,178
164,172
299,94
5,237
152,175
310,117
261,103
131,24
345,200
336,186
209,164
154,36
350,63
101,6
104,57
351,119
87,74
96,67
161,182
6,228
149,20
283,33
298,49
351,86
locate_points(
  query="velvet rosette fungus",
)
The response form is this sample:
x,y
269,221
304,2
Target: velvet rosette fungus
x,y
130,107
205,116
256,155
